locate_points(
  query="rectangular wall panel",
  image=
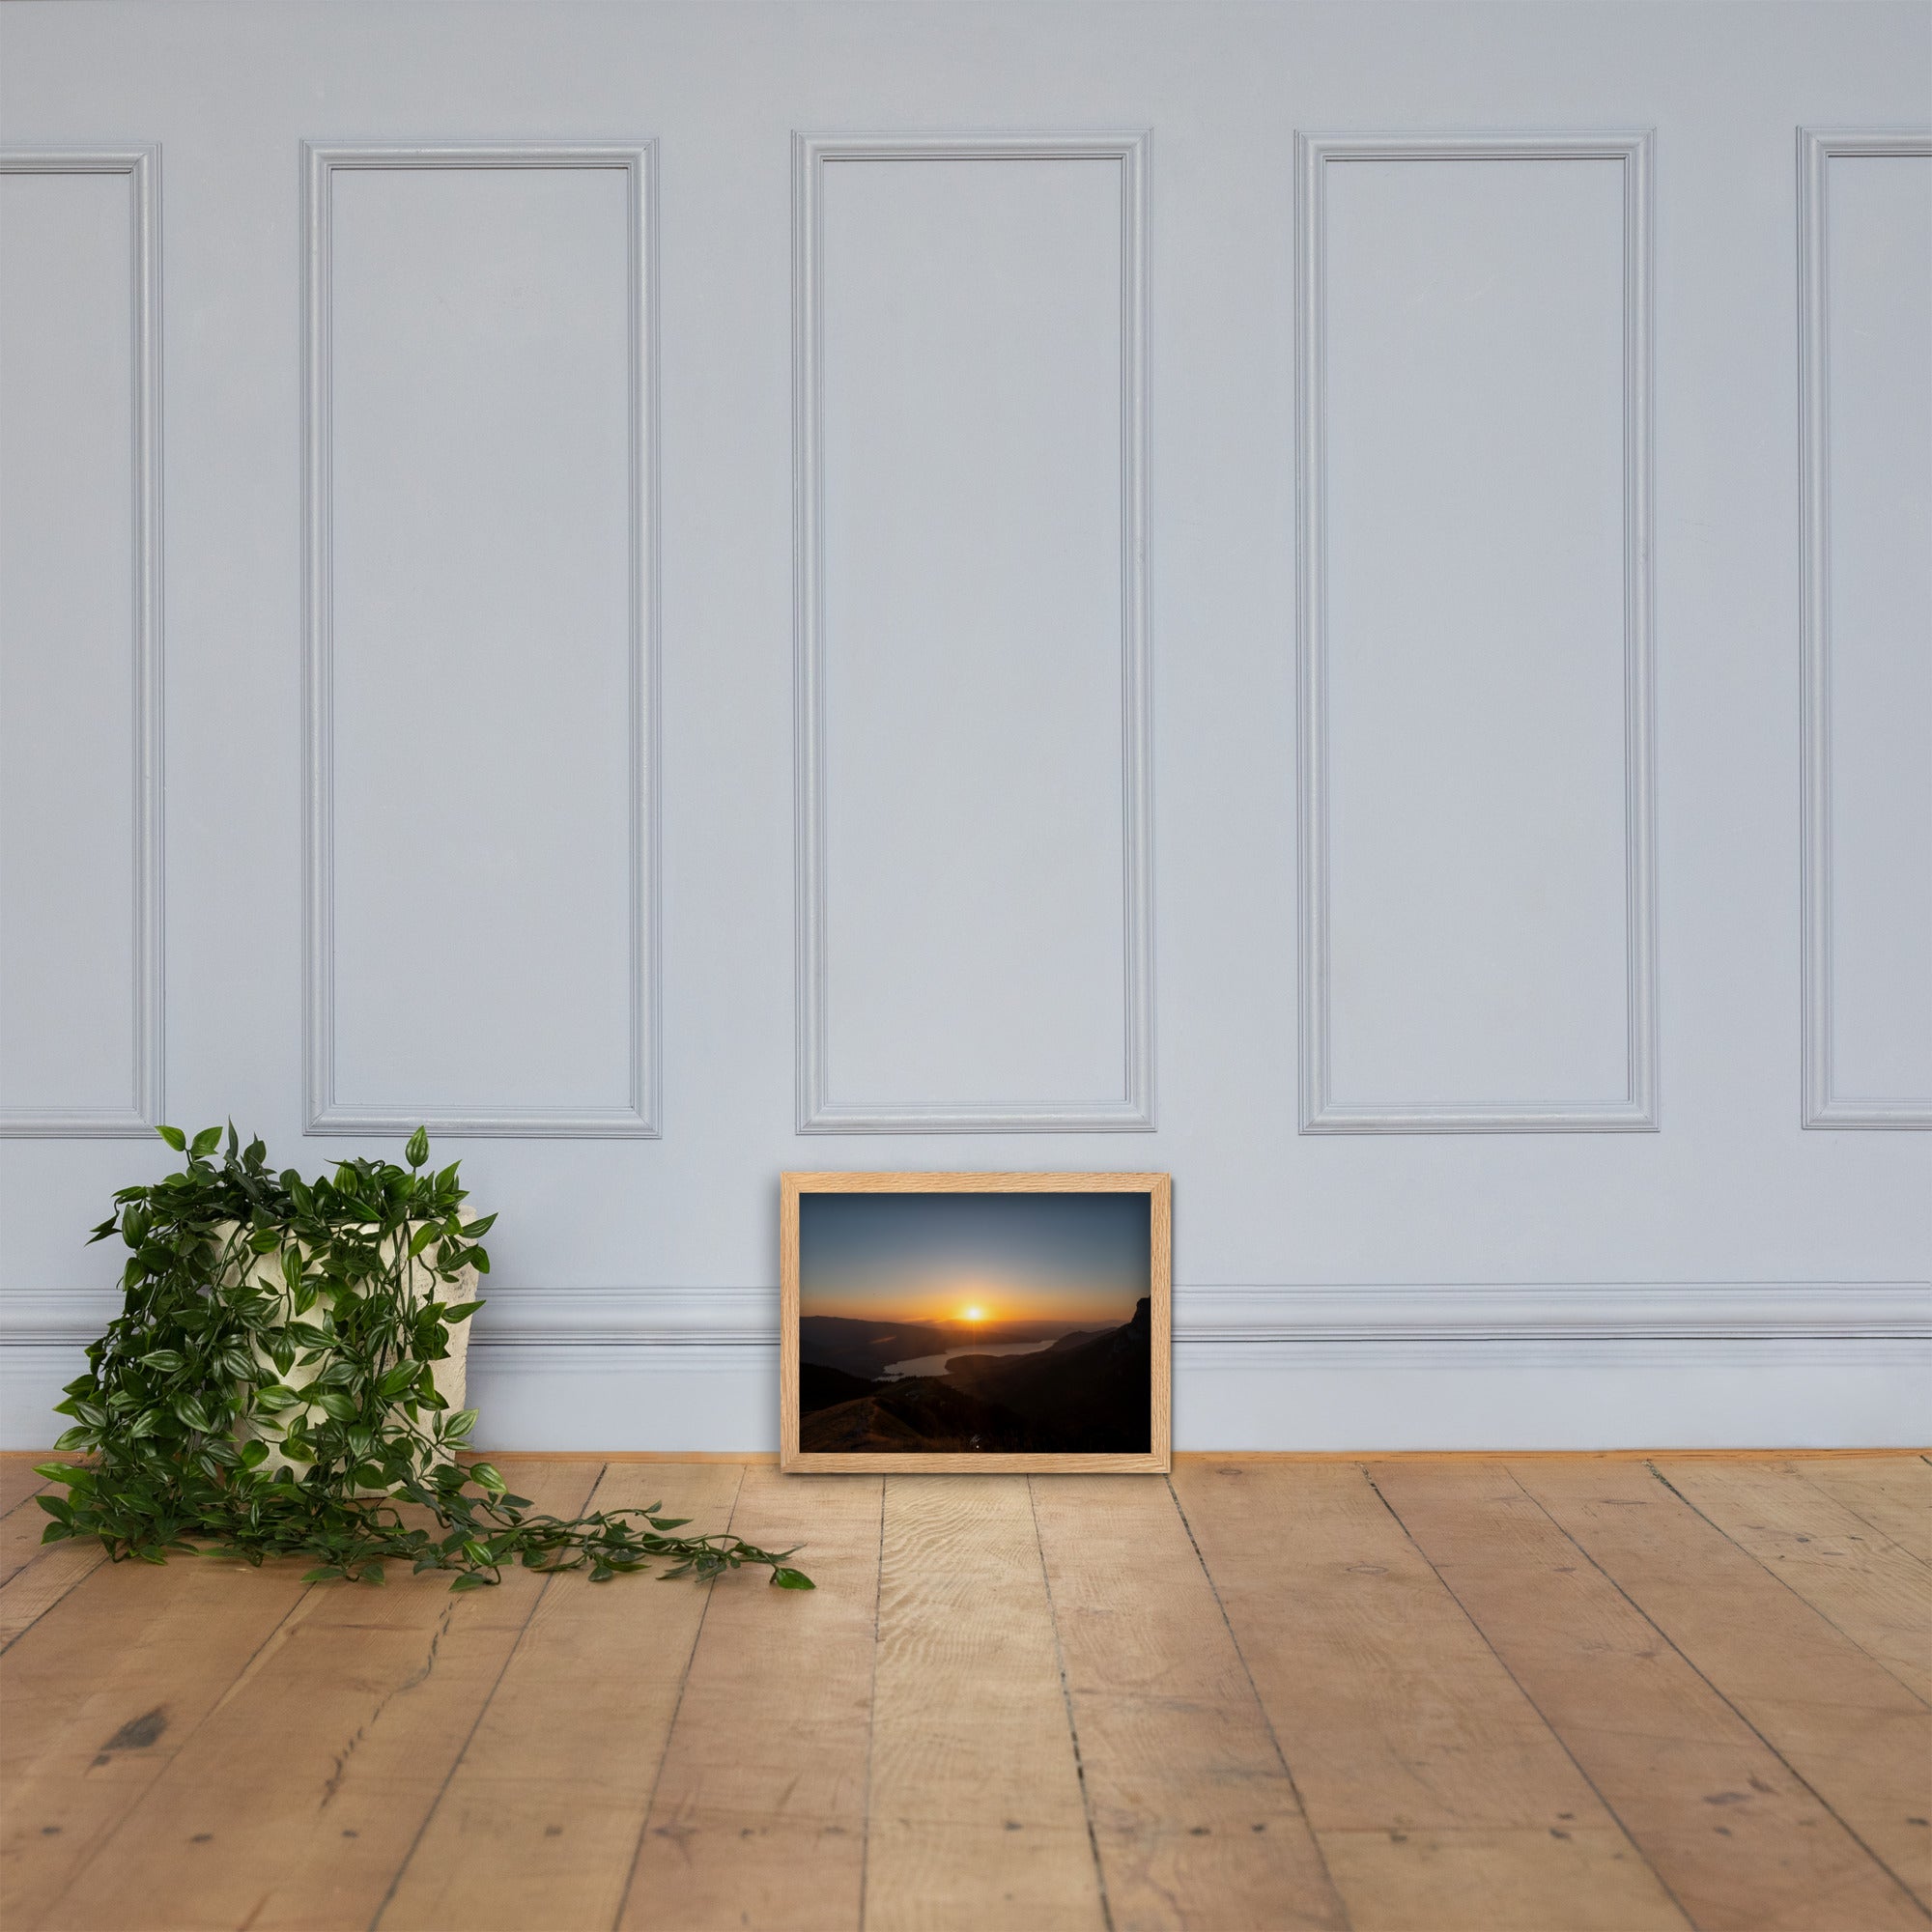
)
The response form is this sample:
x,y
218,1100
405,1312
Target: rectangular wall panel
x,y
482,939
974,839
1474,653
1865,305
81,695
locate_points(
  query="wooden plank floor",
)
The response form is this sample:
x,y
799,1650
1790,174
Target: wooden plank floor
x,y
1417,1694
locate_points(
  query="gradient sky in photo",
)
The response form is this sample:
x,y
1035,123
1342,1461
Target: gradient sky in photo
x,y
1013,1257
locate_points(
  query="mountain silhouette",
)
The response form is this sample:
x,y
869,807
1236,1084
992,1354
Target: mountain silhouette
x,y
1099,1389
819,1387
865,1348
1088,1391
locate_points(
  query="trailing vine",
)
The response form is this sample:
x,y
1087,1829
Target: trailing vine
x,y
270,1387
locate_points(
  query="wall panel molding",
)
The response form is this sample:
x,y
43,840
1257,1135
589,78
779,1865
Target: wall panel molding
x,y
326,1112
818,1111
1359,1366
1322,1111
142,166
1438,1319
1823,1105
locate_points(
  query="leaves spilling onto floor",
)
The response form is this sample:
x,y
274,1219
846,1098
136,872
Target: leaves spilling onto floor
x,y
269,1388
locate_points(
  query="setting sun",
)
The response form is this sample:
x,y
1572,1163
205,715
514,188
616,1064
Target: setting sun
x,y
972,1315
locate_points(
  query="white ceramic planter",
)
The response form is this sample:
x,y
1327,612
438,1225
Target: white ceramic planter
x,y
451,1375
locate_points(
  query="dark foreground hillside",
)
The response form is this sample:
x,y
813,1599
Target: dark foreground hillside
x,y
1089,1393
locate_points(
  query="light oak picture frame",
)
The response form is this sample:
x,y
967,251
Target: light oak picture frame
x,y
797,1189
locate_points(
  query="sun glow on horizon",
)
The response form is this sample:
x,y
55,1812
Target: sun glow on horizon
x,y
972,1263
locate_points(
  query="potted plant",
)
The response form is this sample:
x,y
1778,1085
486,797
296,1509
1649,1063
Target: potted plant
x,y
286,1378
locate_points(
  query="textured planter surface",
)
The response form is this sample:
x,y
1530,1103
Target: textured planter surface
x,y
451,1375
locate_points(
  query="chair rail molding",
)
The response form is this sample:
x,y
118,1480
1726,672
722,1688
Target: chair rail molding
x,y
819,1112
1823,1105
142,165
324,1112
1322,1111
1426,1324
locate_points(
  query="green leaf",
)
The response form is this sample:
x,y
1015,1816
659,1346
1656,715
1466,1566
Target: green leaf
x,y
792,1579
197,1444
174,1137
417,1150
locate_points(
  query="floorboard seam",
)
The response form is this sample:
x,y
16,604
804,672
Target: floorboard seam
x,y
1561,1742
671,1729
1852,1509
1785,1583
39,1489
47,1609
872,1709
1261,1705
1066,1699
470,1738
116,1829
1798,1775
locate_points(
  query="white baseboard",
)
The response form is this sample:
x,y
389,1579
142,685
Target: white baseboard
x,y
1375,1366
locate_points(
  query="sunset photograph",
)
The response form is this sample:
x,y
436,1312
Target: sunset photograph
x,y
975,1324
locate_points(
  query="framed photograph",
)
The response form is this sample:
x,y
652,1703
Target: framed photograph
x,y
988,1322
